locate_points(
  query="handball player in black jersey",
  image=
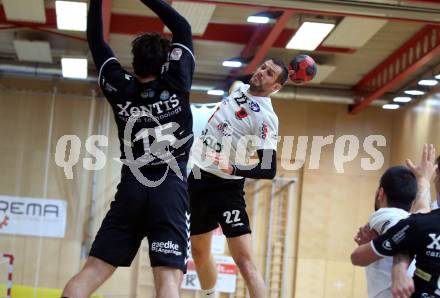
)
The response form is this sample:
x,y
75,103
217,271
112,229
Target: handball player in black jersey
x,y
152,112
419,236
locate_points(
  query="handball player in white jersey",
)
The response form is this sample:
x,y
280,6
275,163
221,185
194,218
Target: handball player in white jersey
x,y
243,124
402,191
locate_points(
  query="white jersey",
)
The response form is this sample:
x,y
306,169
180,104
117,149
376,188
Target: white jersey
x,y
379,273
241,125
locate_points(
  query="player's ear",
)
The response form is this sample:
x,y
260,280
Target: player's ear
x,y
276,87
381,194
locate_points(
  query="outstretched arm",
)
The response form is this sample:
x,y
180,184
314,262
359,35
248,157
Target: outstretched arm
x,y
101,52
424,172
173,20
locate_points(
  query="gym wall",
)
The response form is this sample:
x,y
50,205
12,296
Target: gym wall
x,y
328,206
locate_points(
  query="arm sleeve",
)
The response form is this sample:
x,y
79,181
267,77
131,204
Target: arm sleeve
x,y
101,52
112,76
179,69
398,238
384,218
173,20
265,169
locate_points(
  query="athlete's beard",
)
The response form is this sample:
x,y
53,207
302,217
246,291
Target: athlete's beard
x,y
256,88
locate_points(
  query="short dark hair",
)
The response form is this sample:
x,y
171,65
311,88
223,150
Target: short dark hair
x,y
400,186
150,52
437,161
284,75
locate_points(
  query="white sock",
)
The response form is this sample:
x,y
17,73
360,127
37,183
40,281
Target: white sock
x,y
210,293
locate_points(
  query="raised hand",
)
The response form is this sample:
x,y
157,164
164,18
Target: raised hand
x,y
427,166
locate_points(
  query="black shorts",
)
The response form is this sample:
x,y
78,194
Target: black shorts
x,y
159,213
214,201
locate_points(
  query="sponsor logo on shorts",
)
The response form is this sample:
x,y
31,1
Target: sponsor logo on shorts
x,y
237,225
166,248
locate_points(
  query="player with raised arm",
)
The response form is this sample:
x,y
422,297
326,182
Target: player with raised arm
x,y
154,121
243,124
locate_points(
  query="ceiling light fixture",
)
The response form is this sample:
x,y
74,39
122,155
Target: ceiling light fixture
x,y
74,68
428,82
71,15
414,92
233,62
402,99
258,19
216,92
309,36
390,106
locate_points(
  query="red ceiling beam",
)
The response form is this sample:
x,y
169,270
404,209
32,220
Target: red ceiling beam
x,y
232,33
415,53
269,41
49,27
135,24
319,12
260,32
53,32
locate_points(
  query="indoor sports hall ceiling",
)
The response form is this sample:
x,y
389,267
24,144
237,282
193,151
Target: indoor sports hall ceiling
x,y
376,49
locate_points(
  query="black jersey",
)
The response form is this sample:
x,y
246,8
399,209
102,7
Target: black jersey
x,y
154,119
419,235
